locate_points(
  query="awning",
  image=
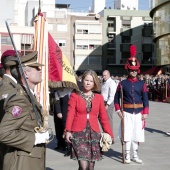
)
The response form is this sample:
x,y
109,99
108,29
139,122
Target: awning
x,y
154,70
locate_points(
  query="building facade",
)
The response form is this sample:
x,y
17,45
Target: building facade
x,y
121,29
88,40
161,24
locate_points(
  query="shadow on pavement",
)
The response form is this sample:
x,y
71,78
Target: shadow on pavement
x,y
155,130
49,168
117,156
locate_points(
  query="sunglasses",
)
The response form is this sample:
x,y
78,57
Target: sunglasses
x,y
133,70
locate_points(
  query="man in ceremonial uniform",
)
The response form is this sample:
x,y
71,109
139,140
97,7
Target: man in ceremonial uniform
x,y
25,148
135,107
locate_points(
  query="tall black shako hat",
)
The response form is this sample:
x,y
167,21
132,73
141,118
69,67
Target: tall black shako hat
x,y
132,63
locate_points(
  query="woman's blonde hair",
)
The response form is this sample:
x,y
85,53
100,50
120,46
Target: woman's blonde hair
x,y
97,85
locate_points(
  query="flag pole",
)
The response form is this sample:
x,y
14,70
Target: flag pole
x,y
39,9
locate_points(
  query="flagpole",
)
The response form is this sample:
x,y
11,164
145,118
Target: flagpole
x,y
39,9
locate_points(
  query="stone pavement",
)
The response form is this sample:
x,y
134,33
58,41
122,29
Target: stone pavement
x,y
155,152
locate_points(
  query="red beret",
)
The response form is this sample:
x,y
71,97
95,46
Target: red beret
x,y
8,53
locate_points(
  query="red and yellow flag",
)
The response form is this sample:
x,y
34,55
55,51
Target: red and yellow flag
x,y
61,73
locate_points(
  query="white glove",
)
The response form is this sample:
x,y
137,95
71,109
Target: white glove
x,y
41,137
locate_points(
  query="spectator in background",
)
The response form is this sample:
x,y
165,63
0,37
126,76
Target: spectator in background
x,y
60,114
108,91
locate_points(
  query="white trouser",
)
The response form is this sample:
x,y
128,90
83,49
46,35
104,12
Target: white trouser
x,y
133,127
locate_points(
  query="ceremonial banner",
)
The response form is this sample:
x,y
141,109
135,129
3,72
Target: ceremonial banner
x,y
57,72
61,73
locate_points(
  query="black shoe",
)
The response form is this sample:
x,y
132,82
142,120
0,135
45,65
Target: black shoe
x,y
58,148
67,153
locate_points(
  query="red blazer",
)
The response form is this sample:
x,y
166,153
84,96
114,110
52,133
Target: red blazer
x,y
77,115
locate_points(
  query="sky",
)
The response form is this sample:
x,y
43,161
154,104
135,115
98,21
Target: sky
x,y
83,5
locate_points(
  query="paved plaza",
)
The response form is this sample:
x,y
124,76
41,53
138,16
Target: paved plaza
x,y
155,152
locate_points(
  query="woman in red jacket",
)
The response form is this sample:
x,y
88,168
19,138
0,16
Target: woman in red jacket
x,y
85,108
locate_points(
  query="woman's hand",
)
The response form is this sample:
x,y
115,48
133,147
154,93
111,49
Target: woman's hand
x,y
68,137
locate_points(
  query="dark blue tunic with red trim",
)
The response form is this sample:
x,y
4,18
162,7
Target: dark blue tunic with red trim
x,y
134,92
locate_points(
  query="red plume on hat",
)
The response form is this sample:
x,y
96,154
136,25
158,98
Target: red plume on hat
x,y
132,62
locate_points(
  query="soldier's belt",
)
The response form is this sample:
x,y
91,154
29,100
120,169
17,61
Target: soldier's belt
x,y
132,106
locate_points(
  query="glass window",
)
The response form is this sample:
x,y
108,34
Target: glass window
x,y
126,39
5,40
94,60
95,29
62,43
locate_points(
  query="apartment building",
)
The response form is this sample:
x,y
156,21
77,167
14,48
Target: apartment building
x,y
87,42
121,29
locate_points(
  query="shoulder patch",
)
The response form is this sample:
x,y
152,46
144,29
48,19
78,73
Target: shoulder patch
x,y
16,111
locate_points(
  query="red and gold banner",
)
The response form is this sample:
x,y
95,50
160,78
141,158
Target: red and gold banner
x,y
61,73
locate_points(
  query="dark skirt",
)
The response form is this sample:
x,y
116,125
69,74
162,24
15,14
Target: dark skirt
x,y
85,145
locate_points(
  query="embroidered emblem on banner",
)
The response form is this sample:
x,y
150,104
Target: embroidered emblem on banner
x,y
16,111
4,96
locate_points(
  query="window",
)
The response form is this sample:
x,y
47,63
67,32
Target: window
x,y
125,55
82,29
95,29
5,40
62,43
94,60
147,32
126,24
88,60
62,27
88,29
147,47
26,47
147,56
81,44
93,44
110,24
126,39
